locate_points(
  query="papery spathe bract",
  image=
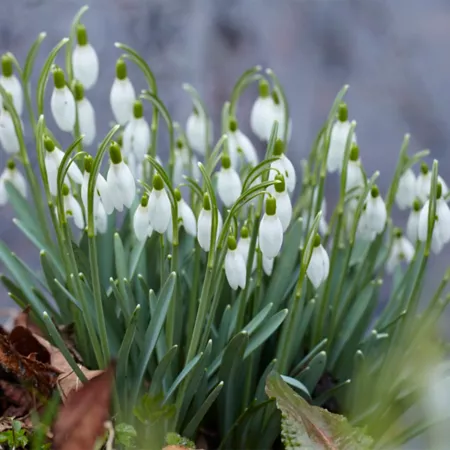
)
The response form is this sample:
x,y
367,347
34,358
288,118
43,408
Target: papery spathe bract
x,y
204,224
239,145
406,191
86,115
136,137
11,84
196,127
186,218
122,95
8,136
141,220
62,103
319,265
412,225
235,266
85,60
159,207
72,208
270,230
229,185
12,175
401,250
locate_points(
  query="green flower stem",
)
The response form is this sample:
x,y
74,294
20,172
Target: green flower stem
x,y
247,78
162,260
280,91
193,298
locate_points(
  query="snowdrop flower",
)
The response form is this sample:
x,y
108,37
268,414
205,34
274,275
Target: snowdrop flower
x,y
243,246
185,164
141,220
136,137
8,136
262,114
120,180
62,103
441,229
122,94
401,250
284,205
84,60
319,265
406,191
270,230
267,264
204,224
338,140
86,114
423,185
239,144
52,160
11,84
374,216
229,184
159,207
13,176
283,166
235,266
100,219
196,127
355,177
412,226
186,218
72,208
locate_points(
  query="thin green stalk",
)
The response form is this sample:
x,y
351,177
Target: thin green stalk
x,y
174,308
162,260
193,299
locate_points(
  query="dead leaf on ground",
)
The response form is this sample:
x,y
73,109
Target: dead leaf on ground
x,y
81,418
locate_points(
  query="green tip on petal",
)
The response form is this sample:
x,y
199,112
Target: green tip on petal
x,y
114,153
244,232
280,185
424,168
439,191
232,243
398,233
343,112
206,202
65,190
417,205
144,200
158,182
374,192
264,88
11,165
82,37
88,163
179,143
271,206
49,144
177,194
226,161
58,78
195,111
121,69
275,97
138,109
316,242
78,90
7,66
233,125
354,153
278,148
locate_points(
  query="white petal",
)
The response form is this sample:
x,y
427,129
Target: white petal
x,y
128,183
18,181
85,65
290,176
229,186
188,217
268,265
284,209
73,171
376,214
3,193
86,119
423,186
319,266
103,190
422,228
354,176
63,108
270,235
73,210
141,222
235,269
8,136
51,166
159,210
406,191
444,186
122,98
338,139
412,226
12,85
136,138
240,145
262,117
121,186
100,219
196,132
204,229
443,223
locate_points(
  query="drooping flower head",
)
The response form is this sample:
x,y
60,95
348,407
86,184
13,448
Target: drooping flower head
x,y
186,217
122,94
239,145
136,137
270,230
11,84
84,59
8,136
141,220
235,266
229,185
283,166
374,216
62,102
319,265
197,127
284,205
72,208
262,114
159,206
401,250
355,177
412,226
86,114
204,224
12,175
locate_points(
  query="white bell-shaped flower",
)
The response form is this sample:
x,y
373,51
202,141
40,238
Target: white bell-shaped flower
x,y
267,264
374,216
159,207
136,137
120,180
186,218
338,140
13,176
270,230
282,166
86,115
84,60
100,219
239,145
105,194
262,113
401,250
412,225
319,265
355,177
62,103
235,266
229,185
52,161
406,191
11,84
204,224
196,127
122,95
423,185
141,220
185,164
72,208
441,229
284,205
8,136
243,246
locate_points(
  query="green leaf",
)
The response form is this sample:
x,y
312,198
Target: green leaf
x,y
126,435
157,386
310,376
297,385
258,319
306,426
31,57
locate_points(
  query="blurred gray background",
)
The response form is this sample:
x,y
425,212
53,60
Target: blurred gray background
x,y
393,53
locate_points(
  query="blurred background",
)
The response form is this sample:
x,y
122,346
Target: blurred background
x,y
392,53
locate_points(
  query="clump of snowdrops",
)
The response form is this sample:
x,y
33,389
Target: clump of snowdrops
x,y
203,274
